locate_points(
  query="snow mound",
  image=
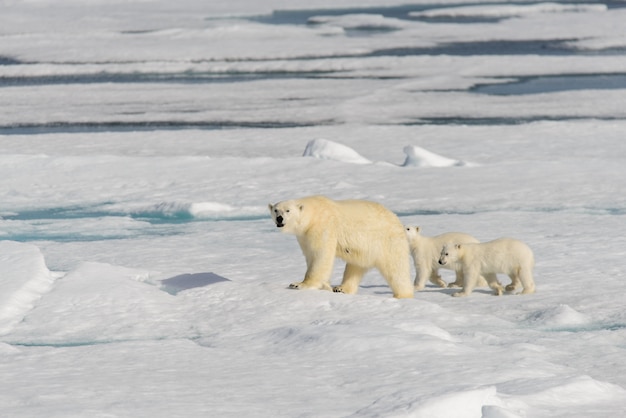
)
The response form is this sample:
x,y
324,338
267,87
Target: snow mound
x,y
24,279
360,21
558,316
504,11
426,328
99,303
460,404
449,405
578,390
494,411
187,211
324,149
419,157
212,210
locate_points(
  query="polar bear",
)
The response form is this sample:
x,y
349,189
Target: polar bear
x,y
364,234
503,255
426,251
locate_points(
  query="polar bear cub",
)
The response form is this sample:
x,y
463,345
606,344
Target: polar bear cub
x,y
503,255
364,234
426,251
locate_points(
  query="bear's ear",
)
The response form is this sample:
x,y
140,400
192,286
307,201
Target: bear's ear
x,y
301,207
457,246
418,229
270,207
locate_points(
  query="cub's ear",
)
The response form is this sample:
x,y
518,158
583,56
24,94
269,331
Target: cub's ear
x,y
301,207
418,229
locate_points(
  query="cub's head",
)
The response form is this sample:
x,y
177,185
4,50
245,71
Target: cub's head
x,y
449,254
412,231
286,215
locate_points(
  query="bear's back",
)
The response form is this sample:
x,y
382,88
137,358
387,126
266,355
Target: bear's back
x,y
504,250
368,215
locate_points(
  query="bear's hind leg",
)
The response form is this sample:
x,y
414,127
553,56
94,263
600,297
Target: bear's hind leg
x,y
526,277
352,276
436,279
514,283
421,273
494,283
398,278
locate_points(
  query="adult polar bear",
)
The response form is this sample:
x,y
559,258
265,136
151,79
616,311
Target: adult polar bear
x,y
364,234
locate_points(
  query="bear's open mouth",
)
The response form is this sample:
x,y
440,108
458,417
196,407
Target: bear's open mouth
x,y
279,225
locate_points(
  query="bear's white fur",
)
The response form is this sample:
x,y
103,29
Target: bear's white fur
x,y
503,255
364,234
426,251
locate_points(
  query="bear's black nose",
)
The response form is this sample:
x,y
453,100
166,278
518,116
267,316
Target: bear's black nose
x,y
279,219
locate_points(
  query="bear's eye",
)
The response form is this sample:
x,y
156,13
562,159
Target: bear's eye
x,y
287,211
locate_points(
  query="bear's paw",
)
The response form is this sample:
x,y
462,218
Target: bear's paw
x,y
510,288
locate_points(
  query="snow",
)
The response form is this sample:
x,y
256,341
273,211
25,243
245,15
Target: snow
x,y
140,143
419,157
329,150
502,10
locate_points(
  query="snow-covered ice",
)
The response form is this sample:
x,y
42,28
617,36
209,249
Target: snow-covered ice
x,y
140,143
330,150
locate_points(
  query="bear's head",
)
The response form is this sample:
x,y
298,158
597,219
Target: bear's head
x,y
449,254
412,231
286,215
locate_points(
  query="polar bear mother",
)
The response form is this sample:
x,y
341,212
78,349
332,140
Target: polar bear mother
x,y
362,233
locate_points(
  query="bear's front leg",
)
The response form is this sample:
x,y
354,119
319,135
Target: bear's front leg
x,y
319,268
304,285
470,278
459,280
352,276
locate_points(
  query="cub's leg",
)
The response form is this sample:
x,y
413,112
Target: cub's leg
x,y
515,282
470,279
352,276
436,279
492,281
421,273
526,277
459,279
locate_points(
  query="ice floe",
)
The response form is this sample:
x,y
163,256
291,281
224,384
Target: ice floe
x,y
24,279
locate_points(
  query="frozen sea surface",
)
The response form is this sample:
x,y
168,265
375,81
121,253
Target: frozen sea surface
x,y
140,143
